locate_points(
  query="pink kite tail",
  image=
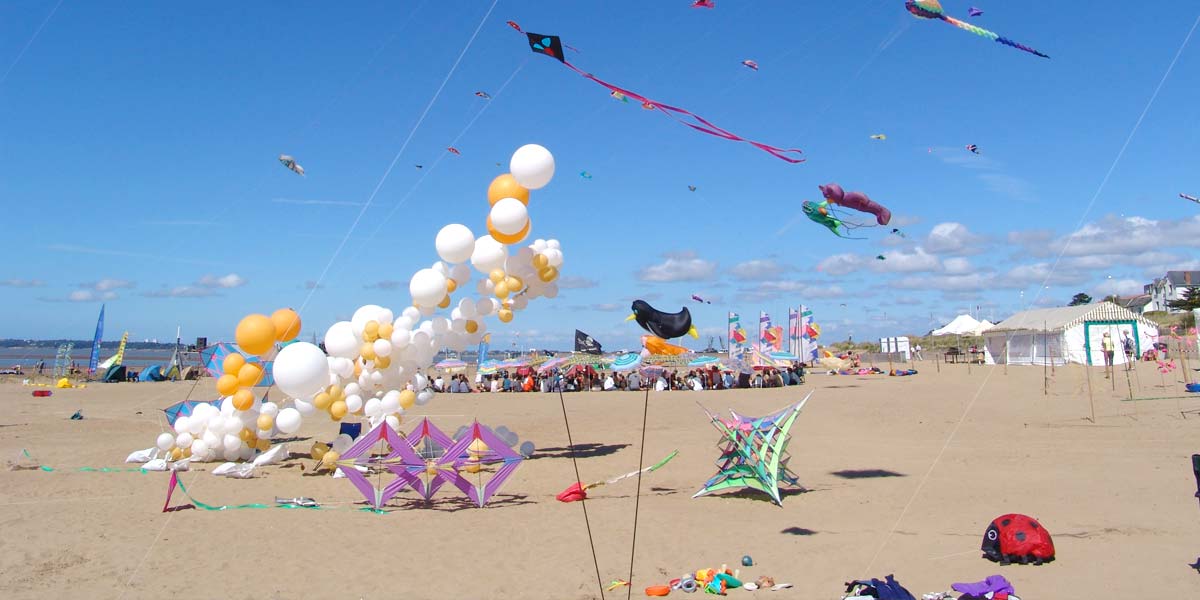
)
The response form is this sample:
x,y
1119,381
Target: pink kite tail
x,y
705,126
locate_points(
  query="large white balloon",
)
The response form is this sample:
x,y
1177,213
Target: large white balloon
x,y
288,421
454,243
488,255
165,441
509,216
532,166
461,274
367,312
301,370
340,340
427,287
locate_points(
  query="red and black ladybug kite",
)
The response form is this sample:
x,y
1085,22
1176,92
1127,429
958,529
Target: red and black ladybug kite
x,y
1014,538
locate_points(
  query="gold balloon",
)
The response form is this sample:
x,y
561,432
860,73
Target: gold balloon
x,y
246,435
243,399
367,351
336,392
357,369
329,459
505,315
227,385
371,328
540,261
506,186
265,422
255,334
471,326
451,285
249,375
176,453
287,324
548,274
322,401
187,452
233,363
382,362
504,238
471,468
407,399
318,450
338,409
386,330
501,290
514,282
445,303
497,275
263,445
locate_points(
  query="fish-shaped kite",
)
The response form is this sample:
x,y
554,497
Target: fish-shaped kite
x,y
585,175
973,149
879,136
454,151
291,164
750,63
483,95
552,46
700,300
932,9
691,188
1192,198
974,12
704,4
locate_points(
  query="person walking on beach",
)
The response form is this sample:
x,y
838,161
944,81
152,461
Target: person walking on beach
x,y
1106,344
1127,345
917,353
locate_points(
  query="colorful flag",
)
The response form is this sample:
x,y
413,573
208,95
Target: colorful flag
x,y
794,331
764,324
484,344
737,334
809,332
95,359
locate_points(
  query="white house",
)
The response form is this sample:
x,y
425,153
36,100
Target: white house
x,y
1170,287
1067,334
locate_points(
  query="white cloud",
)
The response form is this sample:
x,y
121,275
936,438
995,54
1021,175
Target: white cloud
x,y
90,296
1125,236
1119,287
386,284
571,282
759,269
953,238
772,290
107,285
183,291
679,266
899,261
22,283
229,281
957,266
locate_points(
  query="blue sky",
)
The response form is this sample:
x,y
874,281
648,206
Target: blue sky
x,y
138,146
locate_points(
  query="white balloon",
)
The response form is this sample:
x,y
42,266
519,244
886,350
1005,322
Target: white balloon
x,y
341,443
382,348
376,378
211,439
483,307
520,302
466,308
245,453
384,316
184,440
354,403
269,408
390,402
197,424
532,166
301,370
232,425
554,256
226,407
181,425
454,243
393,421
539,245
304,408
484,287
343,367
401,338
366,312
461,274
264,435
352,389
551,290
427,287
199,450
428,310
165,441
440,325
458,326
341,341
231,442
553,244
488,255
421,339
420,381
509,216
455,315
424,397
288,421
412,314
372,407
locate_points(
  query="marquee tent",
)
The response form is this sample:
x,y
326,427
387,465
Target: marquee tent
x,y
1066,334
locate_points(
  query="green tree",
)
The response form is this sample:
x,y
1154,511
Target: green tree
x,y
1080,298
1190,300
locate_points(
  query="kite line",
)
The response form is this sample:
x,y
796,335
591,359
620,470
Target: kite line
x,y
35,35
583,500
637,499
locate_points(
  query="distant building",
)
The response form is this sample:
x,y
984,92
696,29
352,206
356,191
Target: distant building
x,y
1137,304
1170,287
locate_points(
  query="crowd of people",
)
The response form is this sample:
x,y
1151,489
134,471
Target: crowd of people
x,y
660,379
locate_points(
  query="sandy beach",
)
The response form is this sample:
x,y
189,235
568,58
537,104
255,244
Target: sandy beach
x,y
902,476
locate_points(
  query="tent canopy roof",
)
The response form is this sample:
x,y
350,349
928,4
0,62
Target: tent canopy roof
x,y
1065,317
961,325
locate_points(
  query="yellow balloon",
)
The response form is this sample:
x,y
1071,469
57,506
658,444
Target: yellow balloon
x,y
505,315
322,401
227,385
249,375
187,452
243,399
367,351
509,239
540,261
451,285
176,453
287,324
357,369
497,275
386,330
318,450
478,447
445,303
246,435
471,326
407,399
263,445
501,290
233,363
336,392
548,274
383,362
265,422
338,409
514,282
506,186
255,334
371,327
471,468
329,458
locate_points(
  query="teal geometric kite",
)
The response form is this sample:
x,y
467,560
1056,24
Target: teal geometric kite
x,y
754,452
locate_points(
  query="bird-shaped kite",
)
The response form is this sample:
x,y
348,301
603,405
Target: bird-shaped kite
x,y
932,9
661,324
691,188
290,163
552,46
1192,198
751,64
974,12
973,149
483,95
454,151
879,136
704,4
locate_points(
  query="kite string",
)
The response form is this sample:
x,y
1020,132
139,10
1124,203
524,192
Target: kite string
x,y
983,384
32,38
396,158
637,499
582,501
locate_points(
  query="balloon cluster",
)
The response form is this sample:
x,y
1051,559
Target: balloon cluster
x,y
373,365
242,424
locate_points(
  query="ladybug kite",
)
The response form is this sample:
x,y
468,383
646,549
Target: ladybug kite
x,y
1014,538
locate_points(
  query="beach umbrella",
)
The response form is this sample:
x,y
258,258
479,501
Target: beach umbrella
x,y
627,362
704,361
581,369
450,364
553,363
489,367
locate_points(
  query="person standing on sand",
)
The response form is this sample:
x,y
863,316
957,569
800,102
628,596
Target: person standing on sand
x,y
917,353
1127,345
1106,344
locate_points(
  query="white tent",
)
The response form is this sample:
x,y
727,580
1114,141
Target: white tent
x,y
1067,334
961,325
983,326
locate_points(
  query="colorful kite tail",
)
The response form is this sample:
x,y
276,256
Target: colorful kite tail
x,y
995,37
